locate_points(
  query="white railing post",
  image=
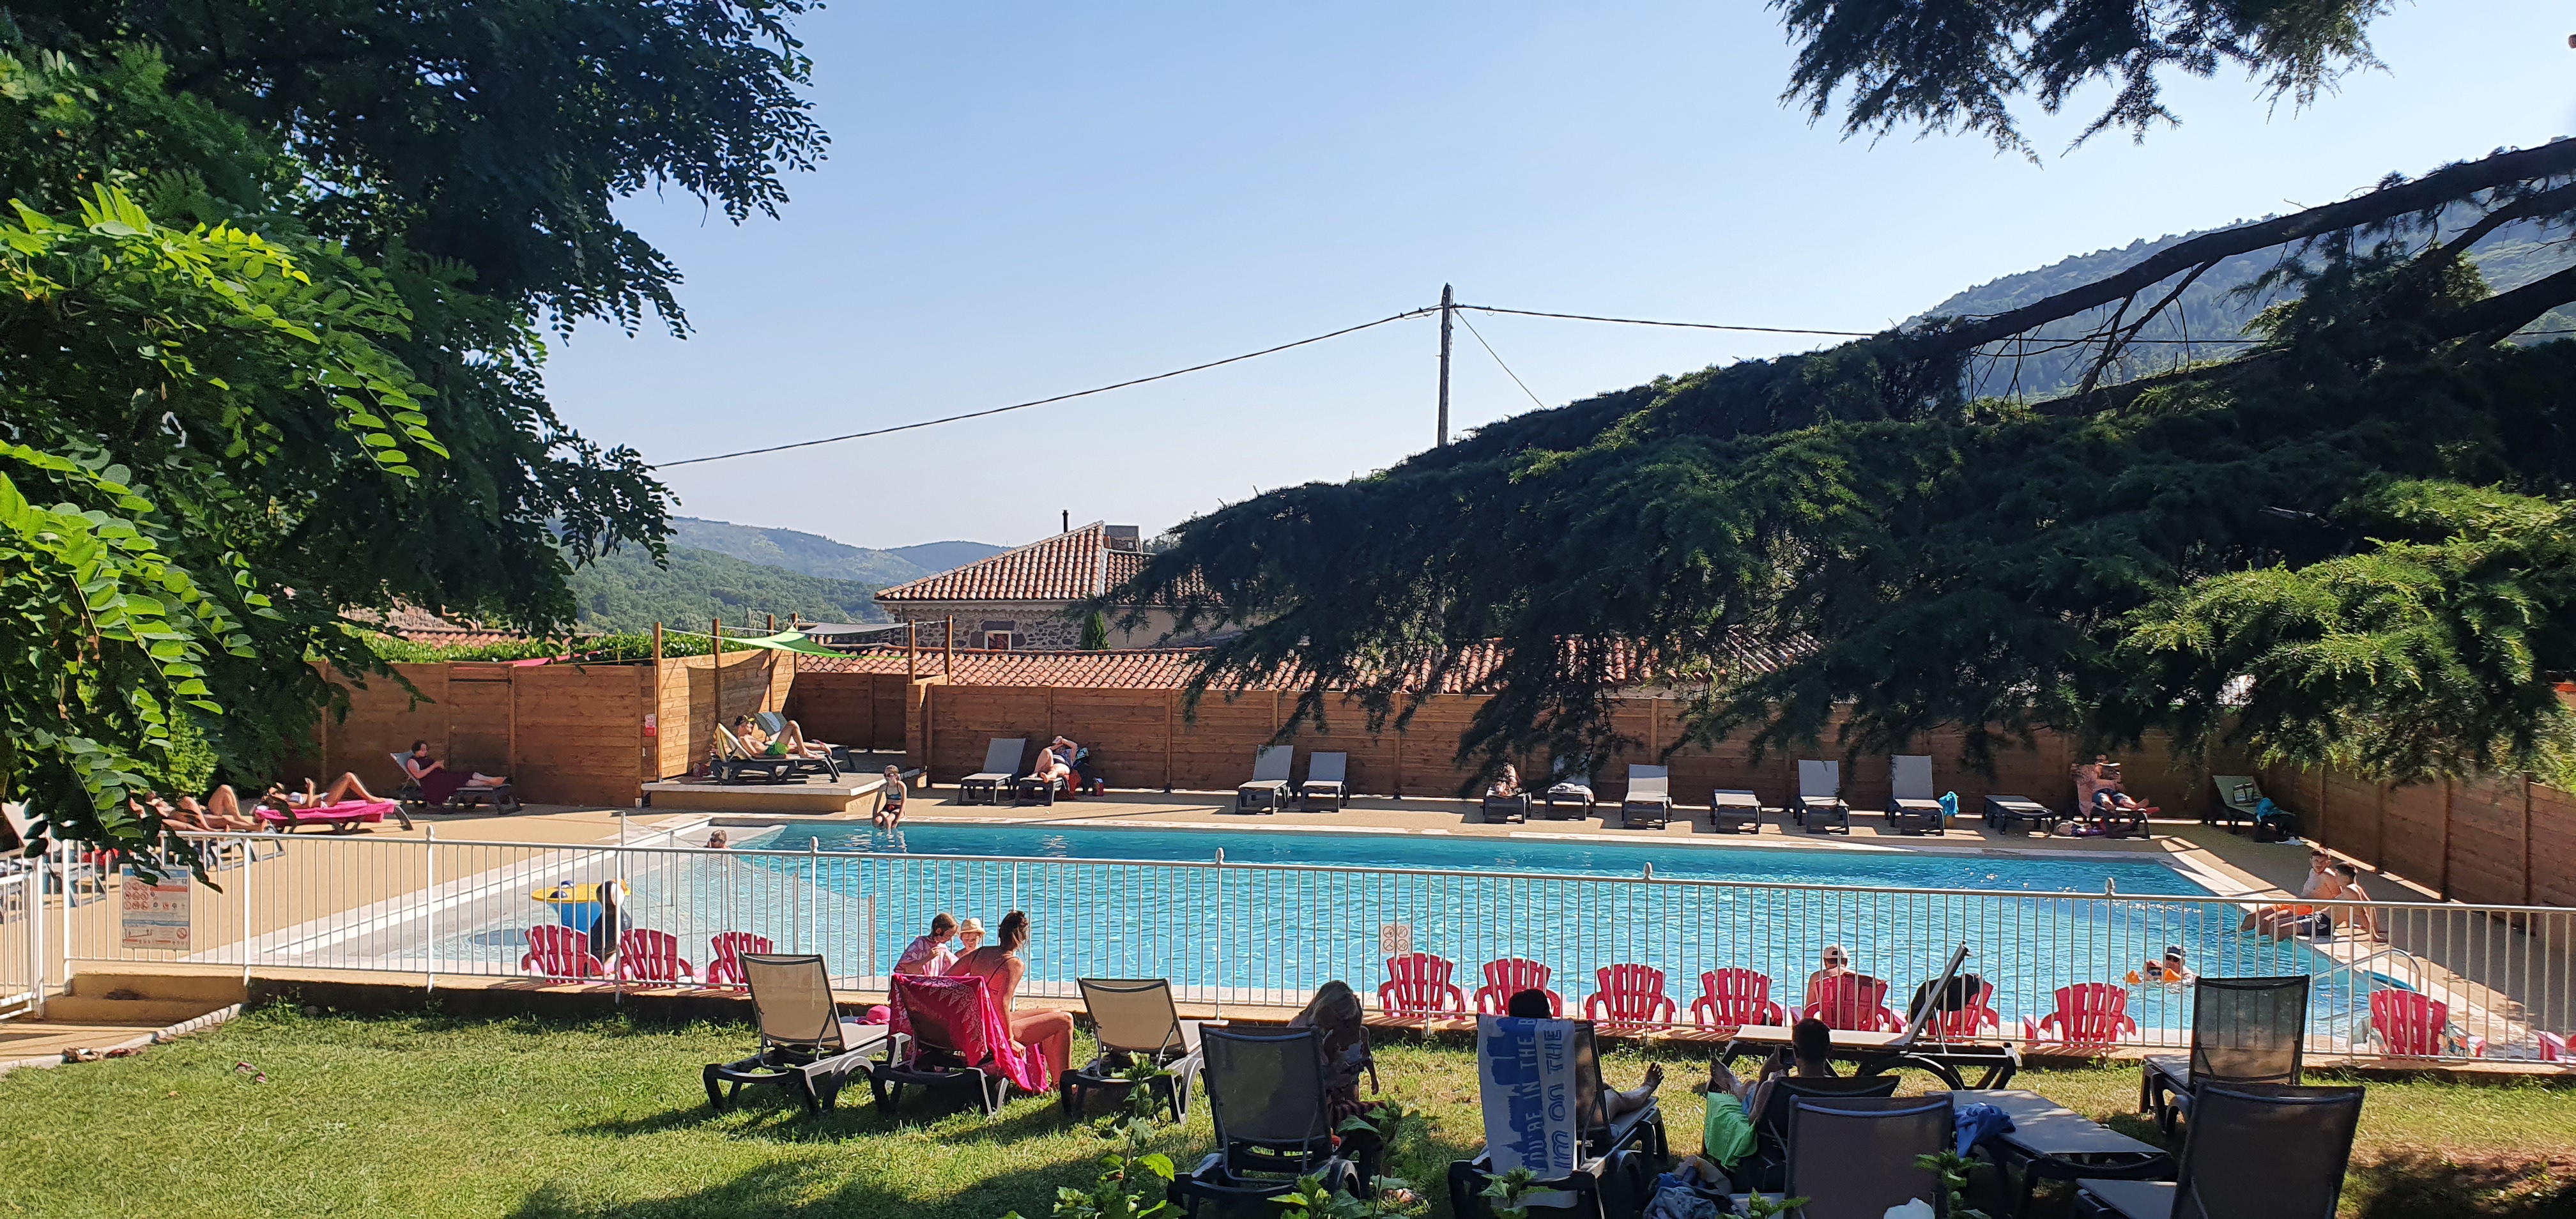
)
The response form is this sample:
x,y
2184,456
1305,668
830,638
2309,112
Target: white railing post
x,y
429,908
1219,937
813,891
250,909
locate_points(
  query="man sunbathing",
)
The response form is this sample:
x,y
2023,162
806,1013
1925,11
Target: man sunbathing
x,y
1615,1104
1810,1056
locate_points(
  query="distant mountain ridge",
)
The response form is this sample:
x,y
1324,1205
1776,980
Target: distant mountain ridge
x,y
623,591
815,555
2210,309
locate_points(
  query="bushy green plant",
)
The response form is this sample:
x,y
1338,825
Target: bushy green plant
x,y
1134,1182
1953,1168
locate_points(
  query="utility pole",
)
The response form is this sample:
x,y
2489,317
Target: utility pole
x,y
1448,304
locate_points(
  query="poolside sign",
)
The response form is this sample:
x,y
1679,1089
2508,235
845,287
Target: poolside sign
x,y
1525,1076
156,913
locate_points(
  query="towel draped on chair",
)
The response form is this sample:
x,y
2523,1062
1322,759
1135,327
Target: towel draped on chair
x,y
966,1008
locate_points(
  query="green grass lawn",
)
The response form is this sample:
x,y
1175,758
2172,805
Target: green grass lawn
x,y
434,1117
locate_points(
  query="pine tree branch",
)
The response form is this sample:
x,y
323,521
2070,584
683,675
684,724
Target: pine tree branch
x,y
2422,194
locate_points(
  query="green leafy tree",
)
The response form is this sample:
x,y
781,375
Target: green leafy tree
x,y
338,406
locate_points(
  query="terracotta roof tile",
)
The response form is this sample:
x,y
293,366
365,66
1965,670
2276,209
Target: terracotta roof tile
x,y
1066,567
1148,668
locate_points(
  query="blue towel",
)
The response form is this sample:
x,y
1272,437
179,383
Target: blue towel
x,y
1949,808
1977,1123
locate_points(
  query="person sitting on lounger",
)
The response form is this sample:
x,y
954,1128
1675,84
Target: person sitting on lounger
x,y
1505,785
1532,1005
1054,764
1048,1033
928,955
889,814
437,783
1810,1056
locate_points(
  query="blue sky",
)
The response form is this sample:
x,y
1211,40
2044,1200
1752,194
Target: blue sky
x,y
1027,199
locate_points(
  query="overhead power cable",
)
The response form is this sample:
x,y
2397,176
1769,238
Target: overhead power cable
x,y
1639,321
1498,360
1021,406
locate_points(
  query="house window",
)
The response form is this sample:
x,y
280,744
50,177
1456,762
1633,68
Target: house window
x,y
1000,636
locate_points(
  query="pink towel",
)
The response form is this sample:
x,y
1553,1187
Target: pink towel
x,y
964,1008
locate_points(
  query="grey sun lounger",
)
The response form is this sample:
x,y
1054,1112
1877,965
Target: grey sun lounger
x,y
1001,765
2243,1031
1268,790
2006,813
1912,806
1327,780
1266,1098
1571,787
1820,796
1615,1159
1732,809
1856,1155
1649,798
805,1046
1137,1021
2252,1149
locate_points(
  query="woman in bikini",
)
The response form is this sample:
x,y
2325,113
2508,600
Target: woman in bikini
x,y
437,783
1049,1034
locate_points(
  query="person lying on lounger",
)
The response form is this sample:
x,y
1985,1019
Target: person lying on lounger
x,y
221,811
1505,785
1615,1104
345,788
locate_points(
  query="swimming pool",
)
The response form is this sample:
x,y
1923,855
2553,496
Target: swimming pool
x,y
1289,910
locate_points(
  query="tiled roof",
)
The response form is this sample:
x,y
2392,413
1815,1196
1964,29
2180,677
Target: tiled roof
x,y
1066,567
1159,668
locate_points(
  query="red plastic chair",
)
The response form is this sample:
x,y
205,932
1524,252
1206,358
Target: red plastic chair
x,y
723,967
1729,999
2419,1026
651,956
1962,1025
558,951
1629,994
1417,984
2089,1015
1854,1003
1510,976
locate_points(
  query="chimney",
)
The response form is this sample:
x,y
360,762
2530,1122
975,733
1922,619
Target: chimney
x,y
1068,522
1123,537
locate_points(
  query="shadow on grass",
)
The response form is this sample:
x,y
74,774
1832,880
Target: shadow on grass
x,y
770,1113
2505,1185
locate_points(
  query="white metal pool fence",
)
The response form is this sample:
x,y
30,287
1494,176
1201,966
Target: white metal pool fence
x,y
1245,935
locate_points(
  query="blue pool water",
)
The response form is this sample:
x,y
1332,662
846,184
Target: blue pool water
x,y
1876,869
1290,910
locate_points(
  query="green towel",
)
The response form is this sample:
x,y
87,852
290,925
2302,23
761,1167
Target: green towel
x,y
1727,1135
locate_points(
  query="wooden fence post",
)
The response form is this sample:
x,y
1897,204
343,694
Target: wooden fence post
x,y
2443,890
1171,716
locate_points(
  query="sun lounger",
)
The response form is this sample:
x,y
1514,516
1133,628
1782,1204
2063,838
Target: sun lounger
x,y
1513,809
2252,1149
1510,976
2243,1031
1912,806
1137,1021
1649,799
735,762
2239,796
948,1032
1820,797
2006,813
342,818
1327,781
499,795
1569,787
2050,1142
805,1046
1732,809
1265,1094
1538,1083
1268,790
1860,1155
1768,1166
775,724
1001,765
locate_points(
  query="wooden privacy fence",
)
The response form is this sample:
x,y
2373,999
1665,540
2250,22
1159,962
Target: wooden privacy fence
x,y
2504,840
1147,739
860,710
564,733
